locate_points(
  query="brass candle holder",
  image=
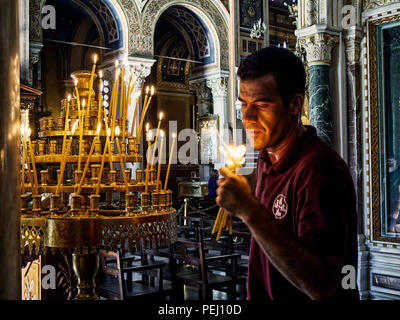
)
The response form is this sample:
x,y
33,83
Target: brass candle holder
x,y
94,204
55,204
44,174
145,202
131,146
155,199
24,204
75,205
112,175
36,205
139,176
132,203
78,176
163,201
169,199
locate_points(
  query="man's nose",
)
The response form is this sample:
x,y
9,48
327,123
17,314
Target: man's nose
x,y
250,113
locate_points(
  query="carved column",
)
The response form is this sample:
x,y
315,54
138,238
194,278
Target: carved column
x,y
203,96
10,271
219,89
318,49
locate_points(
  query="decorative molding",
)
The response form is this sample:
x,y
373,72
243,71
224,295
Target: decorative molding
x,y
371,4
319,47
203,92
352,40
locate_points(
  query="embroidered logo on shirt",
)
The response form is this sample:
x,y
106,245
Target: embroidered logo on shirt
x,y
280,207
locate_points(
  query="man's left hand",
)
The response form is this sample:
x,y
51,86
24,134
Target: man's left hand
x,y
234,192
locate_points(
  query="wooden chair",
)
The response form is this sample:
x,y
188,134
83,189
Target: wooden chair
x,y
200,276
113,285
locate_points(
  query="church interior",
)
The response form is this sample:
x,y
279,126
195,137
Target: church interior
x,y
115,114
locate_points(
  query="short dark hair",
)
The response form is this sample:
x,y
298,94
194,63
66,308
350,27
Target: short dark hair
x,y
284,65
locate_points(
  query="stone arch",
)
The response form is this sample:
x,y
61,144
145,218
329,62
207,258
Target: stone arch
x,y
215,17
102,13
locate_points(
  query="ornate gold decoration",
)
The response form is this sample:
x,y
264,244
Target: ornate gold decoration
x,y
374,128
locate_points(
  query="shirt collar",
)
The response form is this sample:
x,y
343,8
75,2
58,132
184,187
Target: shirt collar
x,y
291,155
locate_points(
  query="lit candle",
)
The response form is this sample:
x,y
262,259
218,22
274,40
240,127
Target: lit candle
x,y
64,157
146,106
148,162
91,83
159,161
33,162
156,140
65,127
170,161
101,87
108,140
88,159
114,104
81,134
121,161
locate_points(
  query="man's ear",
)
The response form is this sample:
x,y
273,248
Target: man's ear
x,y
296,104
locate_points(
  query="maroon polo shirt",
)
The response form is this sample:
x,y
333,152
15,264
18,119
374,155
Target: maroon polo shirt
x,y
311,194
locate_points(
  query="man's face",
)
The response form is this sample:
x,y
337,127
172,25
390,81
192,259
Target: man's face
x,y
265,117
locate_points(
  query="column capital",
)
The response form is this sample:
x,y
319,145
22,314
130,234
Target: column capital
x,y
319,47
218,86
203,93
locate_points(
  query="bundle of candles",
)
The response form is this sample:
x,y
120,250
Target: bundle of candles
x,y
81,112
234,156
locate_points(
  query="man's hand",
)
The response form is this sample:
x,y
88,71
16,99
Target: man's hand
x,y
234,193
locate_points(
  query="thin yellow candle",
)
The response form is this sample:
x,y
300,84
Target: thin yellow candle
x,y
148,162
91,83
33,161
23,160
159,161
115,103
156,140
170,160
146,105
88,159
64,157
121,161
113,92
108,140
122,93
103,158
65,127
135,117
146,97
81,134
100,95
25,148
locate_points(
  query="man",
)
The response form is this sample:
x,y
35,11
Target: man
x,y
303,216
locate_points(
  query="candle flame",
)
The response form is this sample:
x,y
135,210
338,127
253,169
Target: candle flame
x,y
174,135
117,131
147,126
116,63
22,129
95,58
98,128
152,91
74,127
28,132
161,116
69,98
83,103
162,134
101,74
109,132
149,136
147,90
76,82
